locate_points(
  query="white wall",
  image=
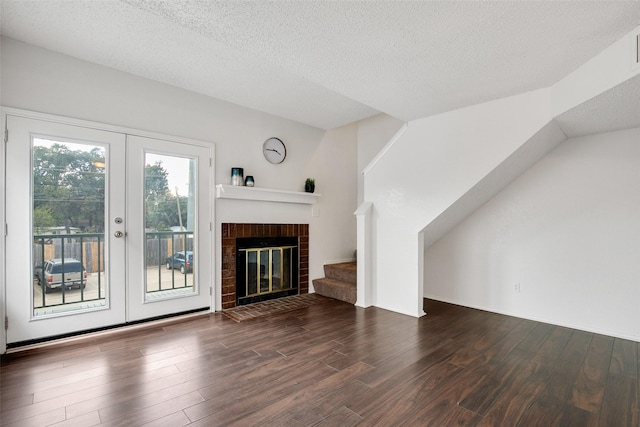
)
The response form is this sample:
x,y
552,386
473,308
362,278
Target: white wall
x,y
334,167
39,80
435,162
373,134
567,231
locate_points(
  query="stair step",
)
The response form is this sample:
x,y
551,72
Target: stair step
x,y
345,271
336,289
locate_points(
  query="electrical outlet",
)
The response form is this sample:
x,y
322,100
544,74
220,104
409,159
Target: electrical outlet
x,y
517,287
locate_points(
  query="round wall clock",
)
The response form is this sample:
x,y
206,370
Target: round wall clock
x,y
274,150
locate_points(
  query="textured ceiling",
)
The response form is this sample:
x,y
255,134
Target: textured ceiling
x,y
614,109
328,63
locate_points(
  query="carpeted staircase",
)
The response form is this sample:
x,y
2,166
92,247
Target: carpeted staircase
x,y
339,282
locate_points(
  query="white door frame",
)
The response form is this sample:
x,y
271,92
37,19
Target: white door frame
x,y
3,168
207,277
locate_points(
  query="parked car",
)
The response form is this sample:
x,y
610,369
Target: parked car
x,y
182,260
54,273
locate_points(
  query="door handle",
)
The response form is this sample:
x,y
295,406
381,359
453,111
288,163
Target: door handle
x,y
118,234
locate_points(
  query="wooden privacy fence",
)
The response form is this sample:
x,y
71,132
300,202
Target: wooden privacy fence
x,y
89,247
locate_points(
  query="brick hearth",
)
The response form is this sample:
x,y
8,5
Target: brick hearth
x,y
230,231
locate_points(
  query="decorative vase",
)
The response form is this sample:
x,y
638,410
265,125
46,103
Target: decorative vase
x,y
309,188
249,181
237,176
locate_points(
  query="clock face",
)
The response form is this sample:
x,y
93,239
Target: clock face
x,y
274,150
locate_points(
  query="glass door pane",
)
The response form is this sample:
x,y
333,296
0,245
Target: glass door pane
x,y
276,269
169,217
68,226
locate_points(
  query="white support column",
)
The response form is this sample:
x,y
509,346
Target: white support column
x,y
365,293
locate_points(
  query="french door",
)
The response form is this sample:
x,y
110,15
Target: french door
x,y
96,220
168,233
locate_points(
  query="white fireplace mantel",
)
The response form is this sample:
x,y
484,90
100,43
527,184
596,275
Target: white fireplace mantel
x,y
225,191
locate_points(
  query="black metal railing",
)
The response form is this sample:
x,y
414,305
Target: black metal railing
x,y
161,248
87,248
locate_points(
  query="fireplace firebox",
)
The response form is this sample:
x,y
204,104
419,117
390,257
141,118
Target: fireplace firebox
x,y
266,268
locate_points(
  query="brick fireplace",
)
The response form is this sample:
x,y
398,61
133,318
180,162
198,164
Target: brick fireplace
x,y
232,231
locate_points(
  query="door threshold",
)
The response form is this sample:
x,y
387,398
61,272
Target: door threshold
x,y
107,330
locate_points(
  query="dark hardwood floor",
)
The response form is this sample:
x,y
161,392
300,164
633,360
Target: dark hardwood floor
x,y
329,364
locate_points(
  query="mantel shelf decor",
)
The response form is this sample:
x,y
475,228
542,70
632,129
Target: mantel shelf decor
x,y
224,191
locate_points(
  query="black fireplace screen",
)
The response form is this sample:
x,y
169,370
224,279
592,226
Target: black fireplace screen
x,y
266,268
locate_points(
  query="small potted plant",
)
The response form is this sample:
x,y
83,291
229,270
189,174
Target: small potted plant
x,y
310,185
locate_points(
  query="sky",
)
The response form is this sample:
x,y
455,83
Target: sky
x,y
178,168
